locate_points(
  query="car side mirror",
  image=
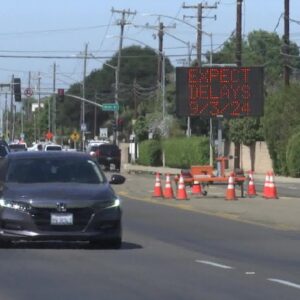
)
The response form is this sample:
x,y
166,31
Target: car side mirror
x,y
117,179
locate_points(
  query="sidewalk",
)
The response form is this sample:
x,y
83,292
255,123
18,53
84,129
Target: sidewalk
x,y
282,213
130,168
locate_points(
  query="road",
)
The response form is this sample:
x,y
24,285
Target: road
x,y
168,253
286,189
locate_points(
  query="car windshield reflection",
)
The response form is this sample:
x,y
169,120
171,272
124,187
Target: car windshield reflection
x,y
54,170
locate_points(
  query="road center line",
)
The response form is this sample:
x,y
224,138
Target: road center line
x,y
288,283
211,263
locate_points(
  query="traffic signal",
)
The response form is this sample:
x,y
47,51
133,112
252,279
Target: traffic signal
x,y
120,124
61,95
17,89
114,125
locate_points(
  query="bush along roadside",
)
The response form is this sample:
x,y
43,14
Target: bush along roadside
x,y
179,152
150,153
292,155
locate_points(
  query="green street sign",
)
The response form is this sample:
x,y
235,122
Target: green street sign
x,y
110,107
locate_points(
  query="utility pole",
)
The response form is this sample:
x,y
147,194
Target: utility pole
x,y
54,102
160,50
6,117
199,8
122,24
161,62
11,109
27,106
161,32
39,106
286,41
135,98
95,116
82,119
238,53
238,58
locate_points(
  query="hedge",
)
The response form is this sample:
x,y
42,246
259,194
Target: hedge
x,y
150,153
292,155
179,152
184,152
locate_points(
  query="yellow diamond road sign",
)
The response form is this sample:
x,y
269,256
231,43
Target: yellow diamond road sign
x,y
75,136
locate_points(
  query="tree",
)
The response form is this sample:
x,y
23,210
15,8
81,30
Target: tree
x,y
138,93
260,48
281,121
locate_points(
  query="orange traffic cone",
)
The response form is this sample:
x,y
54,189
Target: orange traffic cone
x,y
168,191
181,192
272,188
196,188
230,193
266,190
157,187
251,187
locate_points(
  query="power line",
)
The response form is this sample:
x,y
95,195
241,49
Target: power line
x,y
52,30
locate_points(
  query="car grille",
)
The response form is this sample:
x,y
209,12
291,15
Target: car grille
x,y
81,217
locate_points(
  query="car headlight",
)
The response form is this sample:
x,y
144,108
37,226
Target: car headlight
x,y
14,205
116,203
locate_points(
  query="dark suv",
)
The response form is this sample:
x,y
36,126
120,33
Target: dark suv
x,y
108,156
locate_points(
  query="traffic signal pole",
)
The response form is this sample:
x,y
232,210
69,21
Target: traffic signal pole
x,y
84,100
54,103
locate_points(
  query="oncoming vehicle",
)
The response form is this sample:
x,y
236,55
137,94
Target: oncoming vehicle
x,y
58,196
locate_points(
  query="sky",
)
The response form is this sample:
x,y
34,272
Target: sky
x,y
63,28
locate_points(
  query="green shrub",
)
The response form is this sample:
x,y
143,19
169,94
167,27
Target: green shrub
x,y
184,152
150,153
292,155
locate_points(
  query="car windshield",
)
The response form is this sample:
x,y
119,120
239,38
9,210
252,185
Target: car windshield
x,y
53,148
17,147
109,150
43,170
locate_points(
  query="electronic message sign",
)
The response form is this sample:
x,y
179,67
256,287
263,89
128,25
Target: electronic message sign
x,y
219,91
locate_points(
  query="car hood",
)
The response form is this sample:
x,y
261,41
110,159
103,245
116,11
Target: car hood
x,y
54,192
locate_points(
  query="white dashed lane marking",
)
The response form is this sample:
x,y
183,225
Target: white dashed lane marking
x,y
211,263
288,283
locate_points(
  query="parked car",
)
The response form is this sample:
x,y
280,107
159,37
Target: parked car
x,y
52,195
52,147
107,155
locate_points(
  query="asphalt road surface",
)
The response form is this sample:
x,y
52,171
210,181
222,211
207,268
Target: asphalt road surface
x,y
167,253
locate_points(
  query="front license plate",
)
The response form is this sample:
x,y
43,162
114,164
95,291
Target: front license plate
x,y
61,219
